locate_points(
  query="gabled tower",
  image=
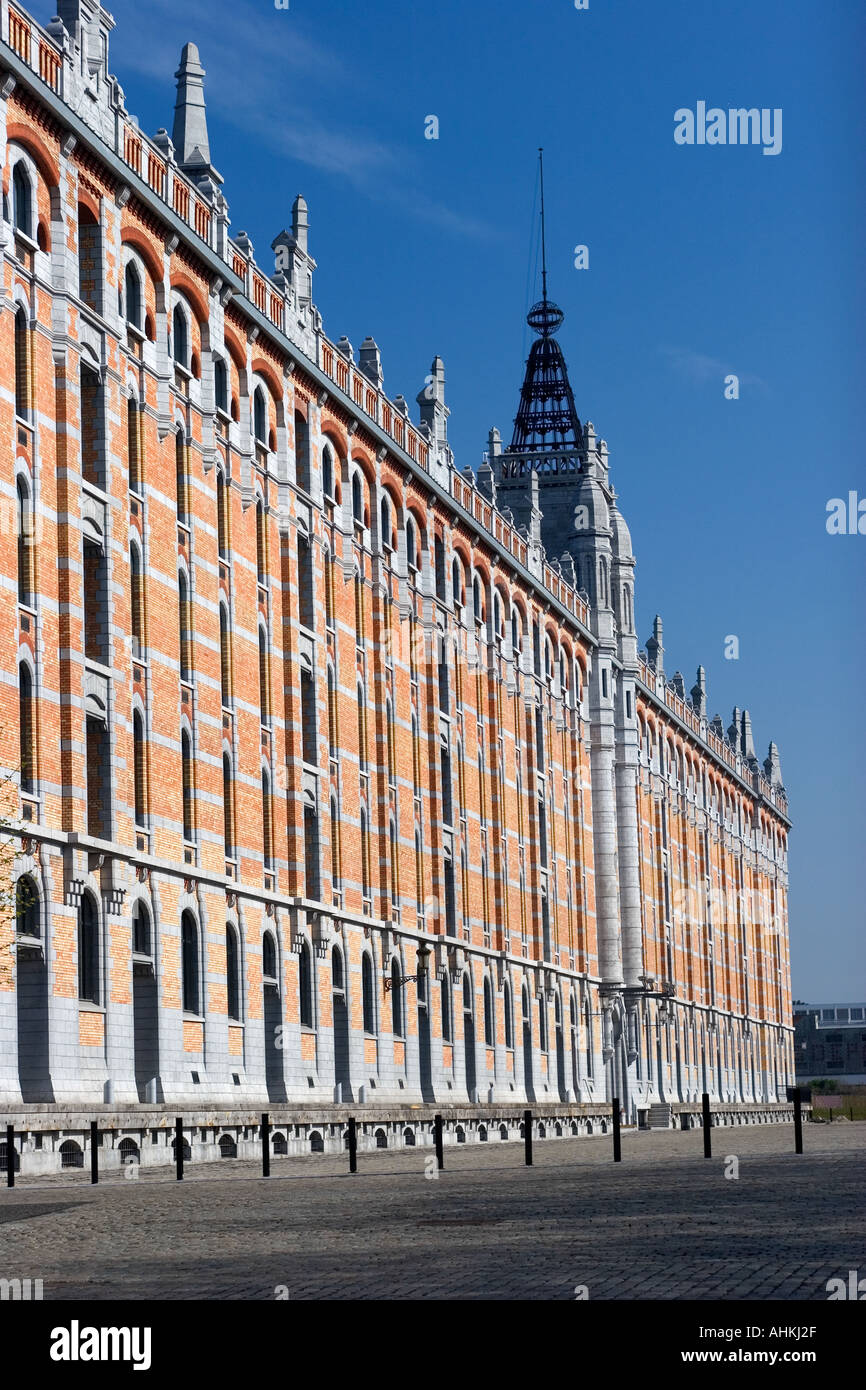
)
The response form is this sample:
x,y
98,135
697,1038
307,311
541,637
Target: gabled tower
x,y
554,477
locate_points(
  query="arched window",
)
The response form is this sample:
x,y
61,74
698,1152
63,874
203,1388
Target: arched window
x,y
136,601
139,769
267,846
450,896
456,584
439,565
332,712
261,542
27,907
362,730
445,777
22,392
306,584
443,673
184,620
477,601
385,524
22,213
488,1013
542,1023
225,659
222,515
93,425
133,449
89,258
311,852
25,543
221,385
88,951
181,477
412,554
327,471
357,498
228,807
141,945
516,632
445,995
509,1015
365,857
305,986
180,337
335,847
132,295
467,999
190,964
396,1000
260,416
264,680
233,975
419,875
269,956
27,751
302,459
367,994
188,786
394,863
337,977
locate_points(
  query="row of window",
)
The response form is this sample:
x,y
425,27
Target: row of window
x,y
90,988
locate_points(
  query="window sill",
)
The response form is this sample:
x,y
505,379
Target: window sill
x,y
192,1018
88,1006
25,237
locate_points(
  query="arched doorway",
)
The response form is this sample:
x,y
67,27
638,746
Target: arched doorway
x,y
34,1076
274,1077
342,1074
560,1050
145,1008
528,1081
469,1037
424,1060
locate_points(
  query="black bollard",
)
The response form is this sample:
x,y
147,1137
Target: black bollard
x,y
10,1155
437,1139
266,1145
527,1136
94,1152
708,1126
617,1145
353,1144
798,1121
178,1147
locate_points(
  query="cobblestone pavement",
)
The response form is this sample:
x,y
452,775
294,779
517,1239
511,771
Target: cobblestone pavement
x,y
664,1224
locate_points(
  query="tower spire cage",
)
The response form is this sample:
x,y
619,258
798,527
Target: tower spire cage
x,y
546,424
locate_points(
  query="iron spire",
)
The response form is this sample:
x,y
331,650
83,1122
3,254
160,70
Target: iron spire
x,y
546,420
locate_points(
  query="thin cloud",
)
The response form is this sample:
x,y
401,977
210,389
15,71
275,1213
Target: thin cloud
x,y
257,99
699,367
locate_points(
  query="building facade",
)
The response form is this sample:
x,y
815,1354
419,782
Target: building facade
x,y
337,773
830,1042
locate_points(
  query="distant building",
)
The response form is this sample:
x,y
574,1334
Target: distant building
x,y
830,1040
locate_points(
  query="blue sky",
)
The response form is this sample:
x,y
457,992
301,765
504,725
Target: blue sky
x,y
702,261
